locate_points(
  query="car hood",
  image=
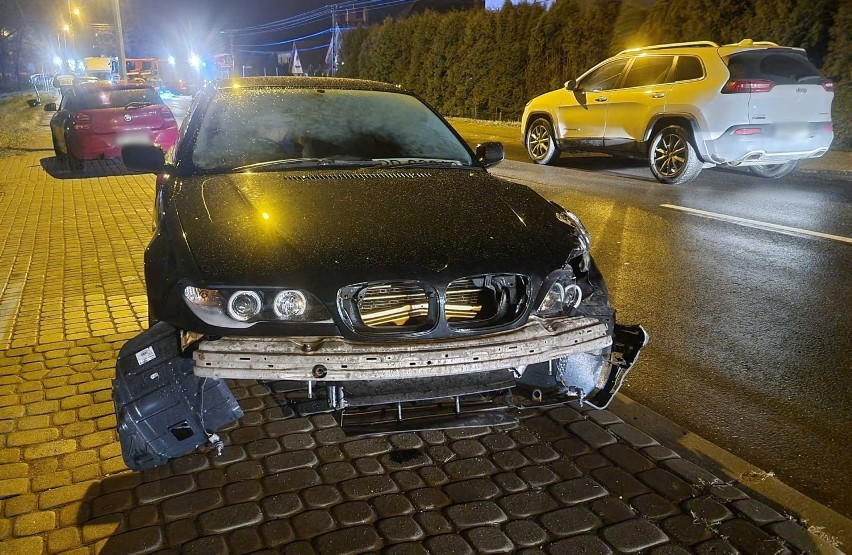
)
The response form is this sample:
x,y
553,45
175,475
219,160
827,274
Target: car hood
x,y
331,228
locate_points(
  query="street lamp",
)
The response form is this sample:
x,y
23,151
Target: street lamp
x,y
195,61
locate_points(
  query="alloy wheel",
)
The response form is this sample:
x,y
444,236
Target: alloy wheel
x,y
670,155
538,142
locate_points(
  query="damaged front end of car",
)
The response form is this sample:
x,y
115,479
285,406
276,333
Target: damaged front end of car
x,y
171,393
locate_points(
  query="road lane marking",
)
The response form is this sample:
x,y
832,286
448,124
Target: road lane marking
x,y
758,224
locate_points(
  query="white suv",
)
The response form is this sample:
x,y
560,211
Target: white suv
x,y
690,106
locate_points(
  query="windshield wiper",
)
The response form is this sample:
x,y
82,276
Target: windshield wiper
x,y
402,163
303,162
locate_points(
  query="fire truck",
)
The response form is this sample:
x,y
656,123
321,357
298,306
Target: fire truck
x,y
147,69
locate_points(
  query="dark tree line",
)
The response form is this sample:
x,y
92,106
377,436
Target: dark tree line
x,y
488,64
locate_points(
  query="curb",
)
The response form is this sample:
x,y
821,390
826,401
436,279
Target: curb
x,y
825,525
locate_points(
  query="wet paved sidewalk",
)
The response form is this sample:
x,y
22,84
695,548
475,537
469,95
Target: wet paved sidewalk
x,y
71,293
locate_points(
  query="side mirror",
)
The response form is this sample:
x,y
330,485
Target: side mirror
x,y
490,154
571,85
143,158
50,107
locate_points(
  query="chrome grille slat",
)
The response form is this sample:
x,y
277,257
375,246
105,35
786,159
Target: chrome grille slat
x,y
403,307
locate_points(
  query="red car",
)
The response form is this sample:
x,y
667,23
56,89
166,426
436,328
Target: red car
x,y
95,120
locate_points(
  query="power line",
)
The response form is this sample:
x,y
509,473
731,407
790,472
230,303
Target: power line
x,y
315,15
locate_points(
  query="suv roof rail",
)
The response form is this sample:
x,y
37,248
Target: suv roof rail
x,y
697,43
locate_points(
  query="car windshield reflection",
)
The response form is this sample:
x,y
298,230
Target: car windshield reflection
x,y
277,128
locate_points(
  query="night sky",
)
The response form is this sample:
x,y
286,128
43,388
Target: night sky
x,y
195,26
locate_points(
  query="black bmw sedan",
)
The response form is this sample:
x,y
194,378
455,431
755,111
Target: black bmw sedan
x,y
338,237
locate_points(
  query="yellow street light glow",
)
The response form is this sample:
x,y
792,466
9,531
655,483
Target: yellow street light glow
x,y
66,27
265,216
76,11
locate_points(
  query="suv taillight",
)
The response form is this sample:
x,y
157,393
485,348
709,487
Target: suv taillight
x,y
828,85
82,121
747,86
166,114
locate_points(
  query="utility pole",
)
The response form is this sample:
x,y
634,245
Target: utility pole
x,y
71,30
122,60
233,67
333,41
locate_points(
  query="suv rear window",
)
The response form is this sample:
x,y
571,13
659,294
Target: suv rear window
x,y
93,99
782,67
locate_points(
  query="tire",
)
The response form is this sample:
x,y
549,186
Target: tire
x,y
774,171
74,163
59,154
672,158
541,143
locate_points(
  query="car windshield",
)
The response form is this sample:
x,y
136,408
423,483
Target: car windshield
x,y
96,98
275,128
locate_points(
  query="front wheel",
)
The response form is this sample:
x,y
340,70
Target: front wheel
x,y
672,158
540,142
74,164
59,154
774,171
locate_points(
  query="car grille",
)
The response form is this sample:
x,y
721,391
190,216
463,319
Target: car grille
x,y
393,304
480,302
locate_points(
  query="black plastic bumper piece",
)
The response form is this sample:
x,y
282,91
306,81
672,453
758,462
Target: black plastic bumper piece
x,y
162,409
626,344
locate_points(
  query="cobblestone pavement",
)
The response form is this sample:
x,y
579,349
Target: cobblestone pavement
x,y
71,293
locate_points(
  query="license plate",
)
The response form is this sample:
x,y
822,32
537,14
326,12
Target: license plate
x,y
132,139
793,131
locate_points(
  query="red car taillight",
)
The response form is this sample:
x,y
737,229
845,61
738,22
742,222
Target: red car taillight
x,y
82,121
747,86
167,114
828,85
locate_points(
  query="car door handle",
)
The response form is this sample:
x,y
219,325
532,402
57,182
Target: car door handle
x,y
658,95
600,99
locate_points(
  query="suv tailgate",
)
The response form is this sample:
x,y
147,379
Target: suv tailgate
x,y
797,95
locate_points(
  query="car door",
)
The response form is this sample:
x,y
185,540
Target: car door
x,y
582,114
642,94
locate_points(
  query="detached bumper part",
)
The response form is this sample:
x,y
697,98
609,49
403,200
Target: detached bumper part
x,y
626,344
163,410
297,358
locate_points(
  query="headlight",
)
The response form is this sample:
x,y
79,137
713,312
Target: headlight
x,y
289,303
244,305
562,295
583,237
242,308
208,298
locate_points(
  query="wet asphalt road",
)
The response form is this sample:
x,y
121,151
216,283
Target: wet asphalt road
x,y
750,334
